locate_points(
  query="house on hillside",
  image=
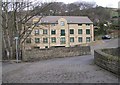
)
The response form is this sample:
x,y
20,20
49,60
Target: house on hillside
x,y
60,31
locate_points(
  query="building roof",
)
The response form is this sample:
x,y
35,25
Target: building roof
x,y
70,19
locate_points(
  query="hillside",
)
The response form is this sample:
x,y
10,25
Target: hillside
x,y
94,12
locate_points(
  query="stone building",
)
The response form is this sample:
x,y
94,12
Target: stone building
x,y
64,31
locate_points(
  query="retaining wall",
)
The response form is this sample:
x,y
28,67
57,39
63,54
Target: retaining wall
x,y
107,61
41,54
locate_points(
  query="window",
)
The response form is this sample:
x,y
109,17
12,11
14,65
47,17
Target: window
x,y
28,32
53,40
79,24
71,31
37,40
87,24
46,46
36,47
62,40
45,40
44,31
37,32
71,39
28,40
79,31
62,32
53,24
87,39
79,39
62,23
87,31
53,32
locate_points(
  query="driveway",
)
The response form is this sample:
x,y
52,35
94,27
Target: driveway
x,y
79,69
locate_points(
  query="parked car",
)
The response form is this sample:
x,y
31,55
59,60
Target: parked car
x,y
106,37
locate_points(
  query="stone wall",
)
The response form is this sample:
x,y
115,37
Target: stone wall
x,y
112,51
41,54
107,61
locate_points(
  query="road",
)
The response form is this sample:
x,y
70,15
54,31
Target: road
x,y
79,69
113,43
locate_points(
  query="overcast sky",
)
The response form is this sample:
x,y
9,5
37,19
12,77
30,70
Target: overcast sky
x,y
104,3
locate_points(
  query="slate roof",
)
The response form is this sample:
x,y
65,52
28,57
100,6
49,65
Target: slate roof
x,y
70,19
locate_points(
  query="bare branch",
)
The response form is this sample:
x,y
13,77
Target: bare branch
x,y
31,30
21,36
34,14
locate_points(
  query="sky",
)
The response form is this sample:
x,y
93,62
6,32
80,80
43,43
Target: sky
x,y
104,3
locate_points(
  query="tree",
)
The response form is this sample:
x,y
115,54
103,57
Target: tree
x,y
0,29
15,17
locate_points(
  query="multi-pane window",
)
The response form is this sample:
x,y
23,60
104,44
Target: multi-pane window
x,y
28,32
37,32
62,40
53,40
37,40
87,39
53,24
45,40
71,39
36,47
62,23
79,39
28,40
87,31
53,32
71,31
79,31
79,24
87,24
44,31
62,32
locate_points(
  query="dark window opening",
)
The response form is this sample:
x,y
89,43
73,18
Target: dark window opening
x,y
62,32
71,31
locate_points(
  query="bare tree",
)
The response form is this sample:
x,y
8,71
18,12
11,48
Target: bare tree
x,y
0,29
15,17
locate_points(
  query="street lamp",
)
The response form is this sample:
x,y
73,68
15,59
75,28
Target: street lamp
x,y
16,40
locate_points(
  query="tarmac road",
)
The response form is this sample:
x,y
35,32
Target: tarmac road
x,y
78,69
